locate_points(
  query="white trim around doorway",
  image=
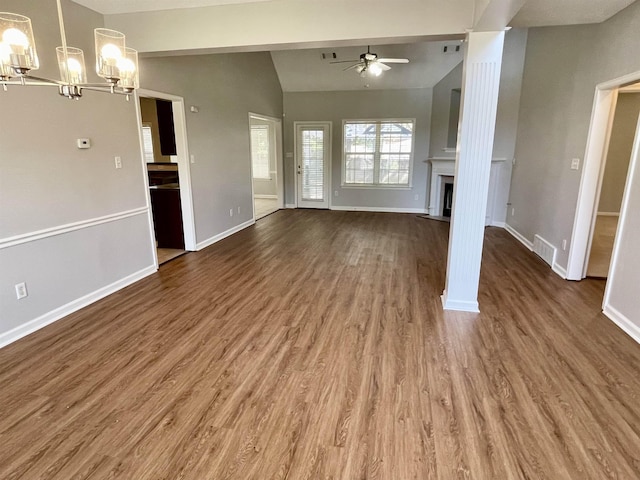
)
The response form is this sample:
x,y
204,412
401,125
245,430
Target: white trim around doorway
x,y
277,122
604,105
184,167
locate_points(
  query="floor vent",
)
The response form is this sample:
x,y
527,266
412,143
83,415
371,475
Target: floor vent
x,y
544,250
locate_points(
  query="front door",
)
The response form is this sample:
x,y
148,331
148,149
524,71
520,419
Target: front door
x,y
313,144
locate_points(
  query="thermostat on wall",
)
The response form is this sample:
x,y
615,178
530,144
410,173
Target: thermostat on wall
x,y
84,143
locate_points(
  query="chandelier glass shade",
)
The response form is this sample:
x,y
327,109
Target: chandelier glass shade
x,y
116,63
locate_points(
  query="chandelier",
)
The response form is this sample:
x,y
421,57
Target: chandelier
x,y
116,63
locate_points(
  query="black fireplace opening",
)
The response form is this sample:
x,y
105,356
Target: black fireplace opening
x,y
448,200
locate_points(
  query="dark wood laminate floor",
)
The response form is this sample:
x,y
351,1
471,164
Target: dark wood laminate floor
x,y
313,346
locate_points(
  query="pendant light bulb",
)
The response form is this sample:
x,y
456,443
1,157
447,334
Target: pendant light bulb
x,y
111,53
16,39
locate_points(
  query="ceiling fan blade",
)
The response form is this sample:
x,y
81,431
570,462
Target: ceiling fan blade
x,y
394,60
346,61
383,66
351,67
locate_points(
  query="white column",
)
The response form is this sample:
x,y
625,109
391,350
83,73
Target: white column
x,y
480,85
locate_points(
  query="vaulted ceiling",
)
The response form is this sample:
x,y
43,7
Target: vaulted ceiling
x,y
307,70
298,32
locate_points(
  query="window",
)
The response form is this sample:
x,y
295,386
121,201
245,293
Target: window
x,y
147,141
260,151
378,152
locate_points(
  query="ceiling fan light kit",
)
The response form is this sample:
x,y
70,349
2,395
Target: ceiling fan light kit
x,y
115,62
370,64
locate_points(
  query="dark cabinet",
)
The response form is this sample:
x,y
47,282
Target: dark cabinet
x,y
166,129
167,217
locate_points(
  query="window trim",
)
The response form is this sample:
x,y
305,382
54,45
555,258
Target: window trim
x,y
378,186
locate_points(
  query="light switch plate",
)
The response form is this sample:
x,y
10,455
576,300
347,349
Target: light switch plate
x,y
21,290
575,164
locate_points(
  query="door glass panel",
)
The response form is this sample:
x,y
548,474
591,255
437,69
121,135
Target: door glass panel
x,y
312,164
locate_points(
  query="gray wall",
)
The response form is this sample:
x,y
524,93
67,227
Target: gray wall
x,y
441,111
369,104
619,154
225,88
46,182
562,68
506,120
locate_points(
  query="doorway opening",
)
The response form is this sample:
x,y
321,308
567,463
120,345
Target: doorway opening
x,y
166,169
266,164
619,294
612,182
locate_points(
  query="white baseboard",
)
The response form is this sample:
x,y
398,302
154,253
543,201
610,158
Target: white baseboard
x,y
499,224
378,209
223,235
558,269
459,306
290,205
518,236
273,197
623,322
42,321
561,271
608,214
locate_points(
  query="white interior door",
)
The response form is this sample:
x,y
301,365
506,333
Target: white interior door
x,y
313,160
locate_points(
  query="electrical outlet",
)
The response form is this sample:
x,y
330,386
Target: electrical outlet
x,y
336,193
416,197
118,162
564,244
513,211
193,158
231,212
21,290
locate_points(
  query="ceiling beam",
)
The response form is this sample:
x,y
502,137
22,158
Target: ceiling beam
x,y
290,22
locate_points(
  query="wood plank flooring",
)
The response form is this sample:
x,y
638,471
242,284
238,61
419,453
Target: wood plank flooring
x,y
313,346
604,236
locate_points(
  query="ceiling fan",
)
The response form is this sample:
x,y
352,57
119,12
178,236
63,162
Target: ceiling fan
x,y
371,64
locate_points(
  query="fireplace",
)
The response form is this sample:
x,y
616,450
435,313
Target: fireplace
x,y
447,202
441,187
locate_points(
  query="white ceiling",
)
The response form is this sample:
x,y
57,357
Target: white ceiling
x,y
539,13
306,71
535,13
108,7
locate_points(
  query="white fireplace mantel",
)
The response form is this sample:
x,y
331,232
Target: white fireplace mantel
x,y
442,167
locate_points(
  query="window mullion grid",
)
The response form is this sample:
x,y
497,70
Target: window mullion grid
x,y
376,155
